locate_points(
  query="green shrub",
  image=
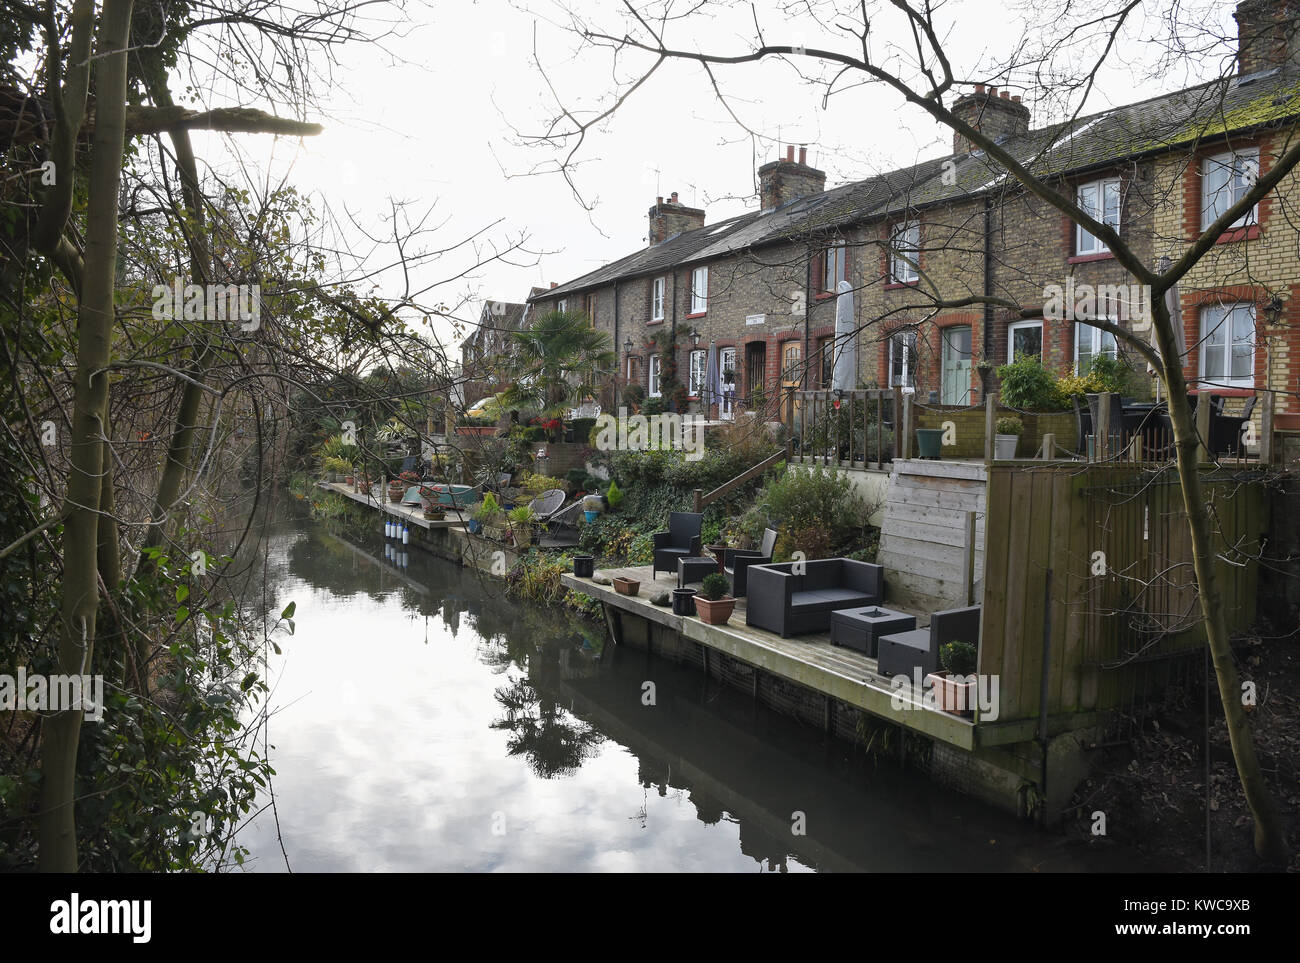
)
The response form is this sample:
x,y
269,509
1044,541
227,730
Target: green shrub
x,y
715,586
488,510
614,495
958,657
1027,385
654,406
810,497
1009,426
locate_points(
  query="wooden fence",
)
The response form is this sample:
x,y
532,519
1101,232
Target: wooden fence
x,y
847,429
1089,590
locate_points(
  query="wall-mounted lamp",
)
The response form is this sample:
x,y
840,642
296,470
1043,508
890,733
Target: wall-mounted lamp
x,y
695,337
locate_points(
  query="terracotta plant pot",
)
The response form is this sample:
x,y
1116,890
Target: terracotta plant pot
x,y
350,481
714,612
364,488
627,586
951,695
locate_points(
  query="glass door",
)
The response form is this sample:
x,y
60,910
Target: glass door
x,y
727,380
955,386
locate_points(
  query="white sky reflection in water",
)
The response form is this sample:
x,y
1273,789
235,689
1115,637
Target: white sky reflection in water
x,y
387,761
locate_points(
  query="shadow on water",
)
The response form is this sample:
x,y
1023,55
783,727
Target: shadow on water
x,y
508,736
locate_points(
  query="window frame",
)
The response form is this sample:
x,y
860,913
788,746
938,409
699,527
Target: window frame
x,y
694,387
562,304
1097,246
653,388
826,353
699,304
908,337
1095,335
658,298
1251,217
897,232
832,267
1226,379
1011,338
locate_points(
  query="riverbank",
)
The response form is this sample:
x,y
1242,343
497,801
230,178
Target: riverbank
x,y
1152,787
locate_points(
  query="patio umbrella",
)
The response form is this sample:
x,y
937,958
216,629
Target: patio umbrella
x,y
844,376
710,378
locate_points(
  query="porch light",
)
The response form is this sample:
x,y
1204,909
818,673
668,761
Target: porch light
x,y
695,338
627,346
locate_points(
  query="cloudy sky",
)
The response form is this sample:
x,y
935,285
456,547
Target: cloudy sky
x,y
444,116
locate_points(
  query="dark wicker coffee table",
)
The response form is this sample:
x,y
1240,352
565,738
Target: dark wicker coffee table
x,y
861,628
693,569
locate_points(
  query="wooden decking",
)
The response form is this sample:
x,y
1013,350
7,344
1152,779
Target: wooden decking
x,y
408,513
809,660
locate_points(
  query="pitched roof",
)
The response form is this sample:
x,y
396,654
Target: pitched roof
x,y
1157,125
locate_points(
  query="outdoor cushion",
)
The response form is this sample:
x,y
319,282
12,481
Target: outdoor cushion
x,y
781,601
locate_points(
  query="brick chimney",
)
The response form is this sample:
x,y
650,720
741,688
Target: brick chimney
x,y
782,181
992,115
671,217
1266,34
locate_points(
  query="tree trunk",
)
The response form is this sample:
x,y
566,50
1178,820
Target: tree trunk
x,y
1270,836
95,318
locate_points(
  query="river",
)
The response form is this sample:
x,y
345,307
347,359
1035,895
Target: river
x,y
423,721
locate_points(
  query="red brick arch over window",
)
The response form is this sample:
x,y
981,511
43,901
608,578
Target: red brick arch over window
x,y
1192,191
1193,301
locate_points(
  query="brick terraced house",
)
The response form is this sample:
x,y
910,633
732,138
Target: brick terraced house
x,y
758,287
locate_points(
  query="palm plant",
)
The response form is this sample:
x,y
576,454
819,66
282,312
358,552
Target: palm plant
x,y
555,361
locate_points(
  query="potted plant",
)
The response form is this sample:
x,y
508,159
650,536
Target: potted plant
x,y
522,518
714,605
486,513
728,376
954,686
626,586
1007,438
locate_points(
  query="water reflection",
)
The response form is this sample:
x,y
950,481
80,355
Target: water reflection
x,y
426,722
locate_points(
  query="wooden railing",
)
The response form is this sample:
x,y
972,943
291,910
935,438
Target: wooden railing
x,y
848,429
702,500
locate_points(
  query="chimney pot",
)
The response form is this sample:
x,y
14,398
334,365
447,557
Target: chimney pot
x,y
555,284
803,155
979,88
659,200
674,198
1005,95
1015,99
789,153
993,91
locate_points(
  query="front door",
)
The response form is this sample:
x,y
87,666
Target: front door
x,y
756,374
955,386
727,378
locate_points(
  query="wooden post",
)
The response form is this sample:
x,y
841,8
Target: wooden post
x,y
990,423
1203,413
1049,446
1266,429
970,558
906,427
897,423
1102,428
699,500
